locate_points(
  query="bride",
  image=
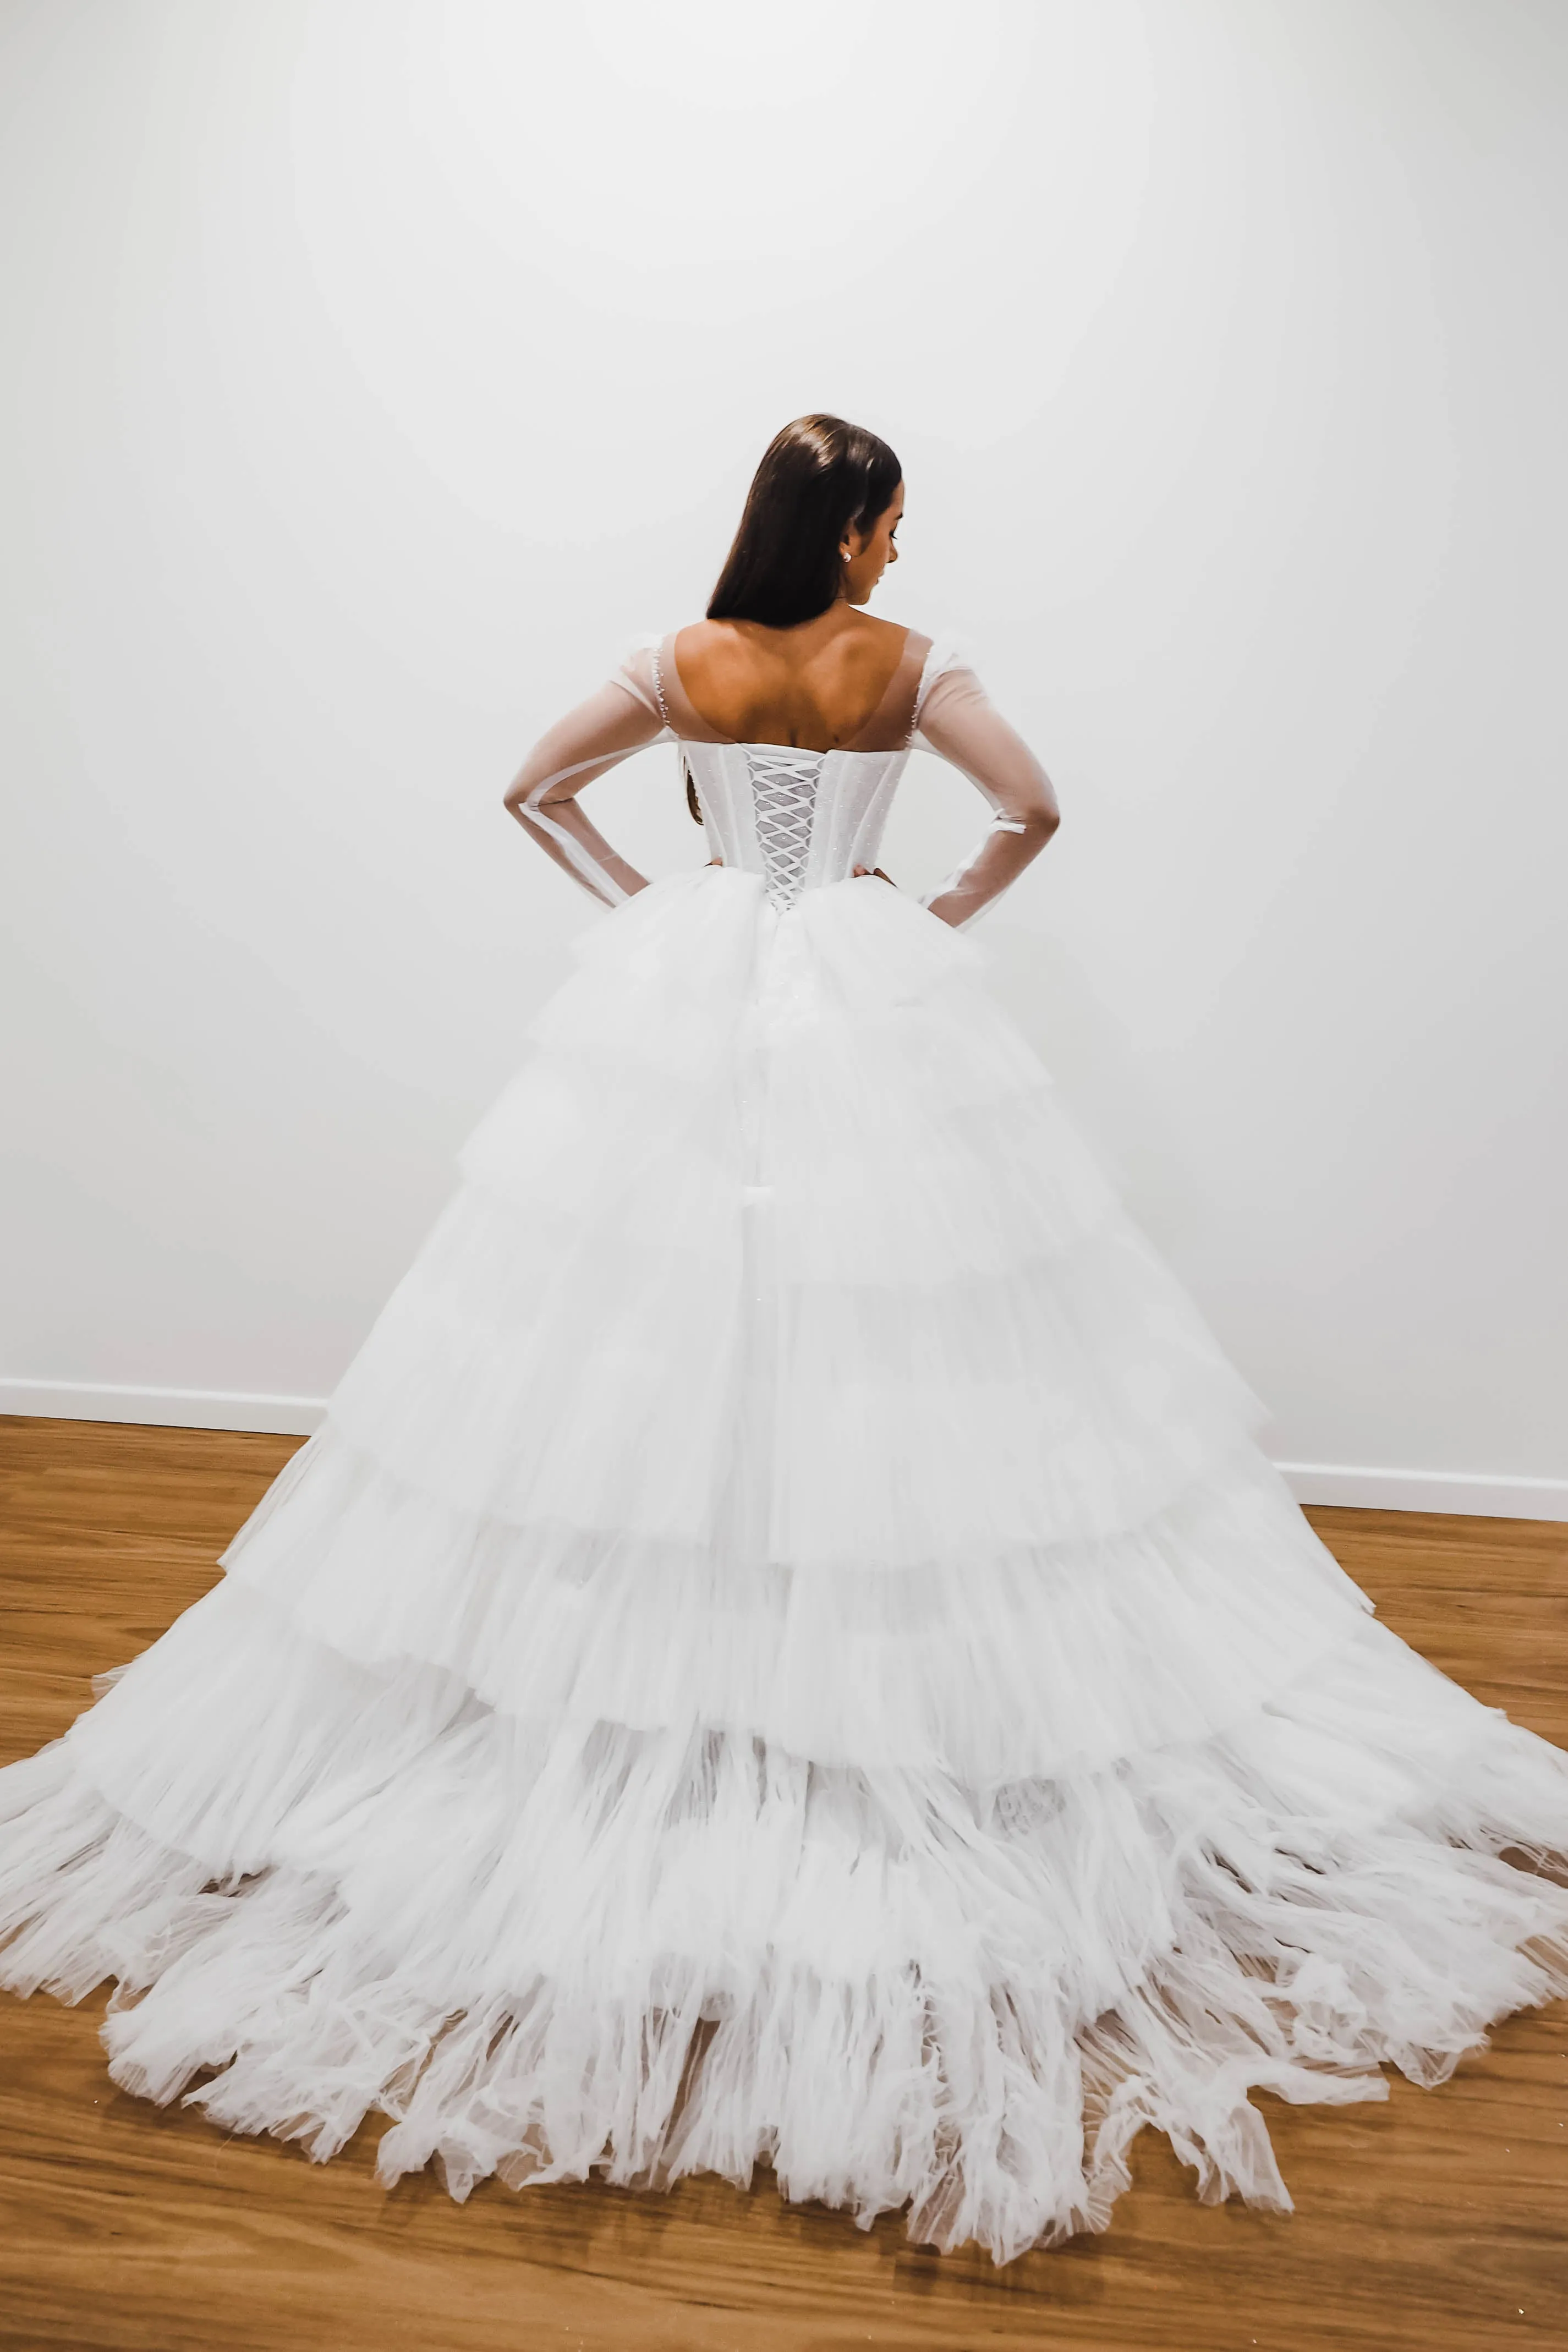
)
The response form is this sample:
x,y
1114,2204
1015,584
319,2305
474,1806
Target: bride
x,y
785,1647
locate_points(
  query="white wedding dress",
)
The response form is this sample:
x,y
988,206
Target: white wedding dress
x,y
785,1647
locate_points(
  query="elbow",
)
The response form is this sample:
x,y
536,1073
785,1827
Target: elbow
x,y
1041,814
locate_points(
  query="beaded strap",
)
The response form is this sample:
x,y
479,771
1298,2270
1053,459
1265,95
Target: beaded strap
x,y
659,682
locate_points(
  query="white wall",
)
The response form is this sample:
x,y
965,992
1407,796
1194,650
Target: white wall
x,y
378,366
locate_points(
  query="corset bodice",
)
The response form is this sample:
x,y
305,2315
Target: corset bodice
x,y
798,819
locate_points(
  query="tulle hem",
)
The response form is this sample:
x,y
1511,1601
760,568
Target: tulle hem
x,y
668,1957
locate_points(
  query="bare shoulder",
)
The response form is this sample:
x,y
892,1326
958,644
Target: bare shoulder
x,y
886,636
707,649
858,639
878,649
699,636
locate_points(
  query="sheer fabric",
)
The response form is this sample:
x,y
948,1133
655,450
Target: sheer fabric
x,y
800,819
958,722
589,741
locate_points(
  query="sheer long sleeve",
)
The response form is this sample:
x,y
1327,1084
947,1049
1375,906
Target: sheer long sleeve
x,y
957,720
624,715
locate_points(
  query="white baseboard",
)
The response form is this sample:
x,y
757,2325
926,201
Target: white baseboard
x,y
1468,1492
288,1416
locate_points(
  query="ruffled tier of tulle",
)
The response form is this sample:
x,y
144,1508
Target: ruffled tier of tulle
x,y
992,1667
547,1951
781,1247
1073,1397
786,1650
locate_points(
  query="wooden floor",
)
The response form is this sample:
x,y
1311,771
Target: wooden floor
x,y
1439,2221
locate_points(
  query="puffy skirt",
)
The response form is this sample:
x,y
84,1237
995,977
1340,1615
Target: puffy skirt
x,y
786,1649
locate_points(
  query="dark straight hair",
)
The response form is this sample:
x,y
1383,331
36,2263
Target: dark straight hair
x,y
818,478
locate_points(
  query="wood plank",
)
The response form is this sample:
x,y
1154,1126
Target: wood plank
x,y
1437,2222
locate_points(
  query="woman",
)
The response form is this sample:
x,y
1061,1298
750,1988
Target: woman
x,y
785,1646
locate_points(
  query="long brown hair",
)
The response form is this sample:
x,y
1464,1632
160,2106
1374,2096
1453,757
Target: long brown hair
x,y
817,477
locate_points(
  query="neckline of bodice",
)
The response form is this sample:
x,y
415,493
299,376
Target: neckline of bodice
x,y
777,751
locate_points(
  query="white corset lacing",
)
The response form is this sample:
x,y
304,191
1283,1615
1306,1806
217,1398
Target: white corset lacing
x,y
783,804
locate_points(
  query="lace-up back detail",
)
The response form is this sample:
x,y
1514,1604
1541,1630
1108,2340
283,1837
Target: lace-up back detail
x,y
797,817
783,785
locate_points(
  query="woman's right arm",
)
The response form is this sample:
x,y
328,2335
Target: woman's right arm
x,y
958,720
622,718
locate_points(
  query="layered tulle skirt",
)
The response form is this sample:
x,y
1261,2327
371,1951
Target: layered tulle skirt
x,y
785,1649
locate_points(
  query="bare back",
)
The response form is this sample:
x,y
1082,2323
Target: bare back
x,y
820,687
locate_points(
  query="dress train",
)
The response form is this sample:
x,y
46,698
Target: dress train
x,y
786,1650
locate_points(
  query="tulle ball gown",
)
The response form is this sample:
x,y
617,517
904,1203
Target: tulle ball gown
x,y
786,1648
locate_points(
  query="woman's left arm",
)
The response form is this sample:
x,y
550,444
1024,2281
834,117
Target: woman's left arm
x,y
959,721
